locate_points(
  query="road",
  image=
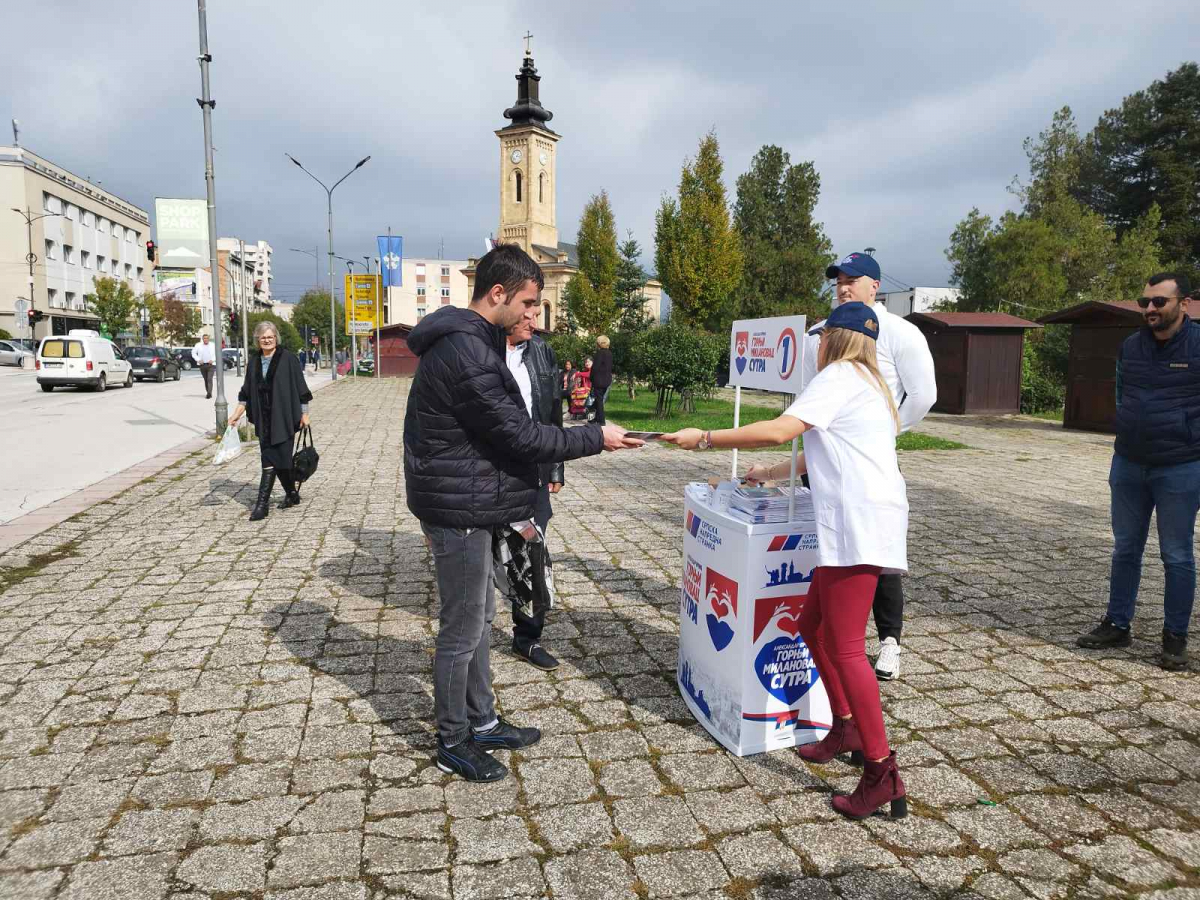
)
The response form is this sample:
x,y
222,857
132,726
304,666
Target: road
x,y
61,442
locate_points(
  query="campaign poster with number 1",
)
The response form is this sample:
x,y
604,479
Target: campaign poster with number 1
x,y
765,353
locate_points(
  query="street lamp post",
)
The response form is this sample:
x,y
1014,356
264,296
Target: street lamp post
x,y
329,210
31,257
316,263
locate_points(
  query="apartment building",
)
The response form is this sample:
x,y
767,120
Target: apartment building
x,y
80,231
257,269
428,284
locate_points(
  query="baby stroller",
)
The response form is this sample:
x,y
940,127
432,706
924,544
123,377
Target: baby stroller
x,y
580,394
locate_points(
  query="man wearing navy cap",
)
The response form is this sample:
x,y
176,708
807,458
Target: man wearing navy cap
x,y
907,366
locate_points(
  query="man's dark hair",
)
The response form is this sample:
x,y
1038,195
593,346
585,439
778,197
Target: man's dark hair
x,y
1183,287
508,266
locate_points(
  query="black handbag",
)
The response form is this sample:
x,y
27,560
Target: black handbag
x,y
305,456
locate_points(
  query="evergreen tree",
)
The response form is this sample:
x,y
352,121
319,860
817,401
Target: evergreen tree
x,y
590,293
629,290
786,251
698,254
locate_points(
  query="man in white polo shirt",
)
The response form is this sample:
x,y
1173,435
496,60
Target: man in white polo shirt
x,y
205,355
907,366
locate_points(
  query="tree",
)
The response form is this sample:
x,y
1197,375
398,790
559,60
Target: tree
x,y
113,303
313,312
589,294
785,250
632,318
181,322
1146,152
681,360
289,337
698,254
150,314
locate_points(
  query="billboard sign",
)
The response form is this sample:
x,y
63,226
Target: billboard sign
x,y
181,227
765,353
362,303
181,286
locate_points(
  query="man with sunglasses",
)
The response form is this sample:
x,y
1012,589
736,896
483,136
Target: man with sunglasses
x,y
1155,467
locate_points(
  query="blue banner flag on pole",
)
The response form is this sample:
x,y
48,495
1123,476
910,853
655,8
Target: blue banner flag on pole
x,y
391,257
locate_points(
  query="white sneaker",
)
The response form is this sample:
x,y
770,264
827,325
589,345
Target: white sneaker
x,y
887,665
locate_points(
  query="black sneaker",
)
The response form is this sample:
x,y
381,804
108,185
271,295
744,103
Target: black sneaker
x,y
504,736
538,656
1106,634
1174,652
469,760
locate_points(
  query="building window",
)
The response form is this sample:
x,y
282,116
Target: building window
x,y
445,293
139,273
541,187
420,313
420,290
445,271
128,271
116,267
69,254
420,271
71,212
85,259
51,250
518,184
52,298
51,204
89,220
101,224
129,235
116,230
100,264
70,304
545,316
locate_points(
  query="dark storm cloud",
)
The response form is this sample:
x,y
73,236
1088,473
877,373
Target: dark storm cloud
x,y
912,113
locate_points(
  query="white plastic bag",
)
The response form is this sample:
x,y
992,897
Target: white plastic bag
x,y
230,446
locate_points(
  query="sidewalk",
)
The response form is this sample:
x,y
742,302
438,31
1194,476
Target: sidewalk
x,y
196,706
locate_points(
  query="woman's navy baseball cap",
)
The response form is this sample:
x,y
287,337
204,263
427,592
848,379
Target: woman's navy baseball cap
x,y
855,265
853,317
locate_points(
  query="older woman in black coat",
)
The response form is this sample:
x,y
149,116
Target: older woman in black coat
x,y
277,398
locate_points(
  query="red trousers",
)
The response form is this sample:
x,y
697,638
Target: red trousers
x,y
833,624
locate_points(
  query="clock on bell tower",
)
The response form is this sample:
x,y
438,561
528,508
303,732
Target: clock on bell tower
x,y
527,167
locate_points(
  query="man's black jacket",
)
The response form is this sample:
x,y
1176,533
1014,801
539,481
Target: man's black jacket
x,y
546,381
471,452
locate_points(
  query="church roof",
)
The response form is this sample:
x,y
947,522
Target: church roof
x,y
528,109
570,249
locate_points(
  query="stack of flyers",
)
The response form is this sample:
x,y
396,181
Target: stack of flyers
x,y
761,505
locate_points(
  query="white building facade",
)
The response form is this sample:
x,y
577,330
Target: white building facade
x,y
428,285
918,299
83,232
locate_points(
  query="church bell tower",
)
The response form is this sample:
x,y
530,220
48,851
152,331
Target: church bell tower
x,y
527,167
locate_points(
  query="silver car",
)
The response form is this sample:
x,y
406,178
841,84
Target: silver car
x,y
13,354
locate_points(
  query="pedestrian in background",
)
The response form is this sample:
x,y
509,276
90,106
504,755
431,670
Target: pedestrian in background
x,y
276,397
849,422
602,376
1155,467
205,354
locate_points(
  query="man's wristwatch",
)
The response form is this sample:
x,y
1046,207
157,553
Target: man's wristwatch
x,y
705,442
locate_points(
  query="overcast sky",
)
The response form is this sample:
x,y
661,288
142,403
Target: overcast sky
x,y
912,113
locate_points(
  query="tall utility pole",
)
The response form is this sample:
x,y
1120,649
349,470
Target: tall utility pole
x,y
221,408
329,209
31,257
245,309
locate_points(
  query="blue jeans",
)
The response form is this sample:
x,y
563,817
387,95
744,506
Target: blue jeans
x,y
1174,493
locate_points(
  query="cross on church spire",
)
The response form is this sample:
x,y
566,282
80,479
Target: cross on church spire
x,y
528,38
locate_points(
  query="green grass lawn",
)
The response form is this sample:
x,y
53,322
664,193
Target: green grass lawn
x,y
1050,415
638,415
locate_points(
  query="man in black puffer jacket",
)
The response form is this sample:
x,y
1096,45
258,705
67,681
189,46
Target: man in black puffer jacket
x,y
471,456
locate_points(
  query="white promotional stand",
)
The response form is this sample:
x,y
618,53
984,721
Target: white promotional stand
x,y
743,669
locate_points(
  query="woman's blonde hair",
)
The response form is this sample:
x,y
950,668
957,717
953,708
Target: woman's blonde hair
x,y
602,342
844,345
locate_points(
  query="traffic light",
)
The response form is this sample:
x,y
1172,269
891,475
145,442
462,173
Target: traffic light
x,y
35,315
150,250
233,320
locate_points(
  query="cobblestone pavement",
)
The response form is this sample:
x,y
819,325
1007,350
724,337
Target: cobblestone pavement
x,y
196,706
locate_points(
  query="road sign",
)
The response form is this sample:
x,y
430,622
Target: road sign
x,y
362,303
316,340
20,308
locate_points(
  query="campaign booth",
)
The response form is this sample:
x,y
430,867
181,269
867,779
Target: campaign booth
x,y
743,670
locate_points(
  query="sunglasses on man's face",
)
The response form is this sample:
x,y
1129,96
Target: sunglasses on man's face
x,y
1159,302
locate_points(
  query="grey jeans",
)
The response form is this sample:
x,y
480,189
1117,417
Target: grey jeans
x,y
462,674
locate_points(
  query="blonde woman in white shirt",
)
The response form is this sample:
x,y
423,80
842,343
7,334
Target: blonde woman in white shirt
x,y
861,507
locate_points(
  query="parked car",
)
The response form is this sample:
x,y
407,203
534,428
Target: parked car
x,y
82,359
13,354
232,356
367,364
153,362
183,356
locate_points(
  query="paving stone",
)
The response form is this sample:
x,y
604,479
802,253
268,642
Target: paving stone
x,y
915,834
1038,864
1060,816
54,844
895,884
489,840
590,875
228,868
89,800
725,811
466,800
176,788
630,778
756,855
994,828
518,878
314,858
249,820
656,822
691,771
1120,858
338,811
575,826
556,781
31,885
609,745
396,800
149,831
384,855
142,877
834,847
418,885
680,872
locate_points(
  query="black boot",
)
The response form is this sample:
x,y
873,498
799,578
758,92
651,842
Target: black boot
x,y
291,490
263,505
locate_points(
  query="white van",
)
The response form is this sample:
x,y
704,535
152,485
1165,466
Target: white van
x,y
82,359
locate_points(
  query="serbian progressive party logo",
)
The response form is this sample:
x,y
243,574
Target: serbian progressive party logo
x,y
740,340
783,664
720,600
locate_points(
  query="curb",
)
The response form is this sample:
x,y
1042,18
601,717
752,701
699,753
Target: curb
x,y
19,530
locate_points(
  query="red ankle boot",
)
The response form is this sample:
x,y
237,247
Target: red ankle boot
x,y
842,738
879,784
